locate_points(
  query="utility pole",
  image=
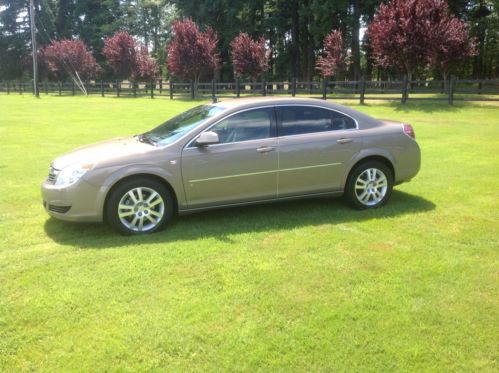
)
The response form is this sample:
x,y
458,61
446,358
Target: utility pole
x,y
33,44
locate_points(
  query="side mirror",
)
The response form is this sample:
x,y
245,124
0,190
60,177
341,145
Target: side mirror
x,y
207,138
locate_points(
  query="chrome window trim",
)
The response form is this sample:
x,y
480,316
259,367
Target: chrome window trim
x,y
316,133
188,145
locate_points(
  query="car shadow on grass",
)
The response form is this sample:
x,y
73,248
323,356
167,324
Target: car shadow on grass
x,y
223,223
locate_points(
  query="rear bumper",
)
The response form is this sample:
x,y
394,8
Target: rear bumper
x,y
80,202
409,163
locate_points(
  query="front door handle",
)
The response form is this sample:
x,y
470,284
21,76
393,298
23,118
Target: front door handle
x,y
344,141
265,149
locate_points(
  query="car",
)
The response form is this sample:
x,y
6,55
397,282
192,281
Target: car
x,y
232,153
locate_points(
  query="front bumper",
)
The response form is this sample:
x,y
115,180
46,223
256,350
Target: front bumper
x,y
81,201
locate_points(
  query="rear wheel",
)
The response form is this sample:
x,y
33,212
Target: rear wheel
x,y
370,185
139,206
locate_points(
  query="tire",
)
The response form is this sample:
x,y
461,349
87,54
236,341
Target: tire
x,y
139,206
369,185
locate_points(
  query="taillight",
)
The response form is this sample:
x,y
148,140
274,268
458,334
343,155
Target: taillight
x,y
409,131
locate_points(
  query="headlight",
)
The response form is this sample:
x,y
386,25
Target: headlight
x,y
72,174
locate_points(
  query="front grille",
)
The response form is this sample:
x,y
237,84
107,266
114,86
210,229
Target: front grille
x,y
59,209
51,178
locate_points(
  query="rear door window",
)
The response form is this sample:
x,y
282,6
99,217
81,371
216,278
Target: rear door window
x,y
299,120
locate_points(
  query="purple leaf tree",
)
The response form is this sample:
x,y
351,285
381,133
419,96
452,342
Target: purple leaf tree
x,y
191,51
249,57
412,34
121,54
334,57
70,57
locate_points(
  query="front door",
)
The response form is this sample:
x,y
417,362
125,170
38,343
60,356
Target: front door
x,y
241,168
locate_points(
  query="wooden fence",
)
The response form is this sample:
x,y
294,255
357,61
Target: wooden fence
x,y
449,90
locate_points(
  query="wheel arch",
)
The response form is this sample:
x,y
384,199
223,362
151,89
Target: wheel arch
x,y
373,157
151,176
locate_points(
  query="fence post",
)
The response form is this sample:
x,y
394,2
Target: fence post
x,y
134,88
480,87
213,91
293,87
46,86
60,87
171,89
160,86
117,88
264,86
102,88
451,90
20,88
152,89
404,90
362,89
73,87
8,87
238,88
324,88
193,94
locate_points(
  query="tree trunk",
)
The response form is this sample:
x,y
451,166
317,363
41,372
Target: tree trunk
x,y
355,44
295,39
307,48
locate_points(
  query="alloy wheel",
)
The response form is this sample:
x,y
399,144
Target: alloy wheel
x,y
141,209
371,187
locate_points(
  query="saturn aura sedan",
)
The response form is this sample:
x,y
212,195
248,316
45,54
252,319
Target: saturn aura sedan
x,y
232,153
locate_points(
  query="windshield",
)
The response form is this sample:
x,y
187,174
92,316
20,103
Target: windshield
x,y
178,126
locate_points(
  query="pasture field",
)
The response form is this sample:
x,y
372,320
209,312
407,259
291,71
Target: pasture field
x,y
302,286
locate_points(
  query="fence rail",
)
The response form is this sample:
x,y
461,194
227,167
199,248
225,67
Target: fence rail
x,y
449,90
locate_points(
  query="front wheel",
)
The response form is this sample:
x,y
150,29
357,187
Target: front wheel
x,y
370,185
139,206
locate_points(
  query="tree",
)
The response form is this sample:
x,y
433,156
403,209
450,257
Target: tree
x,y
15,37
145,67
399,35
335,57
402,33
95,19
249,57
192,52
121,53
65,20
454,45
412,34
128,59
70,58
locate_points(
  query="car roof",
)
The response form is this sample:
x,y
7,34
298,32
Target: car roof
x,y
249,102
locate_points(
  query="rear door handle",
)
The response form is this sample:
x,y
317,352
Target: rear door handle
x,y
265,149
344,141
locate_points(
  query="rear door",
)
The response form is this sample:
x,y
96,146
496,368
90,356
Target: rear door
x,y
315,143
241,168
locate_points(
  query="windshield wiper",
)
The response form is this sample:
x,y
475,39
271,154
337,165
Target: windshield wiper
x,y
145,139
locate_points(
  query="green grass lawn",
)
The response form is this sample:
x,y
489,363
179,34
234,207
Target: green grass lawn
x,y
302,286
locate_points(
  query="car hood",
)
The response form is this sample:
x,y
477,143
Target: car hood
x,y
104,151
